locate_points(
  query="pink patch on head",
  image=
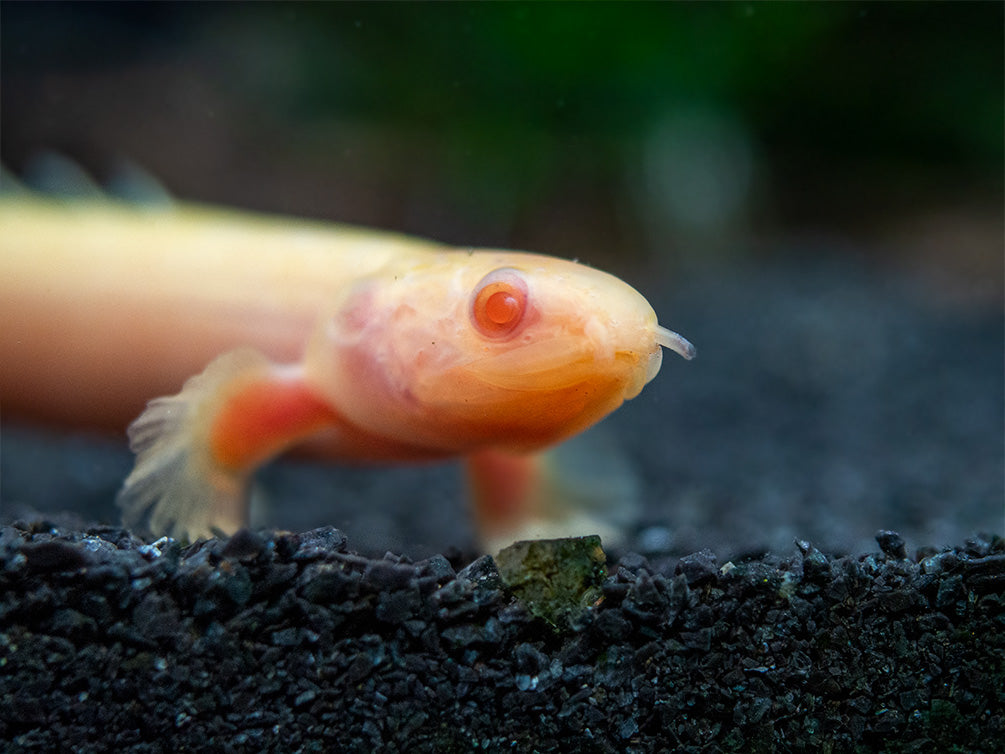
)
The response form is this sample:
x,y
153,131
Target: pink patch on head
x,y
356,313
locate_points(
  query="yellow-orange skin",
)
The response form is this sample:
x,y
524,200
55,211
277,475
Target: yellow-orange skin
x,y
369,344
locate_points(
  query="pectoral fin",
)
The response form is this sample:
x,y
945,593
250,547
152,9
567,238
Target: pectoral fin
x,y
584,486
196,451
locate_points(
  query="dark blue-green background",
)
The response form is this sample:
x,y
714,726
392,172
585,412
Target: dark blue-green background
x,y
526,123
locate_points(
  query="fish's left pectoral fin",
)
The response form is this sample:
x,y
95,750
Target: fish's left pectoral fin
x,y
196,451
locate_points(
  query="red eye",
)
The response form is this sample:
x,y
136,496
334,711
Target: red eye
x,y
499,303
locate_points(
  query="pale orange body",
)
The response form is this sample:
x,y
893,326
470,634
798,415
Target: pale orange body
x,y
371,345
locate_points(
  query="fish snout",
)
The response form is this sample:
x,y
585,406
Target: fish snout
x,y
651,358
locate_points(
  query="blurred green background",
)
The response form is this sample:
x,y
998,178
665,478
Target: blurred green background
x,y
621,134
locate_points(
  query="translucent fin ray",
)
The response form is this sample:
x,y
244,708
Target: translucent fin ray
x,y
175,488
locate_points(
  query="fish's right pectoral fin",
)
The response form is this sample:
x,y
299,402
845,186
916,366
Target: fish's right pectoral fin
x,y
175,487
196,451
174,491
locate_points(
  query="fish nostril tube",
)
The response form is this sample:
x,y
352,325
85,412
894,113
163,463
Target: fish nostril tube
x,y
675,342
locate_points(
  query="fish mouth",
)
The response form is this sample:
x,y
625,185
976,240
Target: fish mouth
x,y
663,338
561,362
653,363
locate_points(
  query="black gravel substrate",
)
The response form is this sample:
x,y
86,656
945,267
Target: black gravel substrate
x,y
291,642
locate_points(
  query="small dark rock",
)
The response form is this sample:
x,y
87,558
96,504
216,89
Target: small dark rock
x,y
244,545
436,570
44,557
978,547
318,543
700,640
815,564
398,606
632,561
891,543
612,625
68,622
483,572
287,637
329,583
942,562
384,576
898,600
529,659
698,568
951,589
156,616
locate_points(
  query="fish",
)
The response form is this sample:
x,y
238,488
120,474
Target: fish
x,y
223,338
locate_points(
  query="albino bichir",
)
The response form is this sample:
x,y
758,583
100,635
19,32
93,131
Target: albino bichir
x,y
269,332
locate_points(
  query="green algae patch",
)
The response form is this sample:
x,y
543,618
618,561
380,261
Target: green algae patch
x,y
555,579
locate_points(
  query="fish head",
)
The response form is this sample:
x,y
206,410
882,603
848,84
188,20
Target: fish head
x,y
488,348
